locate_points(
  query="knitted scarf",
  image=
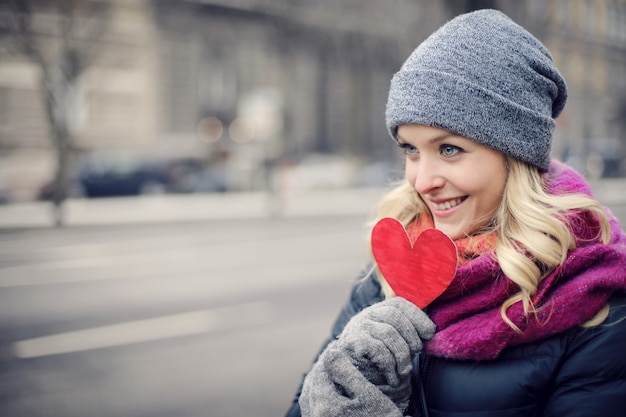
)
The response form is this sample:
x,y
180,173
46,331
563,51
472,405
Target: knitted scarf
x,y
467,314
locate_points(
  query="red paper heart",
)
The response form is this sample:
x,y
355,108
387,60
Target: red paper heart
x,y
419,272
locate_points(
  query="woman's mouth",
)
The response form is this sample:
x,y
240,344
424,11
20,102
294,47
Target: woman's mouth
x,y
447,205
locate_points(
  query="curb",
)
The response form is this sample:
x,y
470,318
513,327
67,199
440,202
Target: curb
x,y
193,207
227,206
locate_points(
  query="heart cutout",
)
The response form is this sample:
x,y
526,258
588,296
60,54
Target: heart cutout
x,y
419,272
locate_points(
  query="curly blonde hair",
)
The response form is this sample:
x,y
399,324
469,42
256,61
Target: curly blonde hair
x,y
533,237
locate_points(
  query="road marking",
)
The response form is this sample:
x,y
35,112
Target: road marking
x,y
153,329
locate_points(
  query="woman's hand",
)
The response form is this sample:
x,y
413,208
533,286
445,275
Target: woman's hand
x,y
368,368
335,387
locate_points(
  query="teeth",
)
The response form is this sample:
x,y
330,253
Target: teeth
x,y
448,204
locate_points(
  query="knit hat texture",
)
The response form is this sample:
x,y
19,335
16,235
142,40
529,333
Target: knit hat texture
x,y
484,77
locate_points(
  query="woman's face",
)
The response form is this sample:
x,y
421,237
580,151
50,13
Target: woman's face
x,y
460,180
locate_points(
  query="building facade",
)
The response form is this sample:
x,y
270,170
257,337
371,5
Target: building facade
x,y
255,82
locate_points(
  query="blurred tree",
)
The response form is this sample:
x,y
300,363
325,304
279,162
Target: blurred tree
x,y
62,38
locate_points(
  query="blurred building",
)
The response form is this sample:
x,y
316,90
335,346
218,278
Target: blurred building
x,y
246,83
588,41
114,105
285,78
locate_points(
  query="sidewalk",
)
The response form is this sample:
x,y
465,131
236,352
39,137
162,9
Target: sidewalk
x,y
192,207
204,207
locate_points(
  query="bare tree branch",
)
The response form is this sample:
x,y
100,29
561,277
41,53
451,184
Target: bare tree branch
x,y
62,38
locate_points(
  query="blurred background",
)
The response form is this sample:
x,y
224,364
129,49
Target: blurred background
x,y
107,98
213,163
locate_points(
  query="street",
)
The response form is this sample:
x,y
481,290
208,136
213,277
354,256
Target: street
x,y
176,319
188,319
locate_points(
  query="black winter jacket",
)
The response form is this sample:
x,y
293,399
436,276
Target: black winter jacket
x,y
581,372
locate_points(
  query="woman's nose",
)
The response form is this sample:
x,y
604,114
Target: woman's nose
x,y
427,176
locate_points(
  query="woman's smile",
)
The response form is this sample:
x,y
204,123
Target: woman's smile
x,y
460,180
446,205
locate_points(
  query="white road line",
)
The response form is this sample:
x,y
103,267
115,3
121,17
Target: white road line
x,y
158,328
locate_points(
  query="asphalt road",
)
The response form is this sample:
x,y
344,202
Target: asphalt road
x,y
187,319
184,319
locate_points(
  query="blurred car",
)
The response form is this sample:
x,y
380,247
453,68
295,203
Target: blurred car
x,y
122,173
116,173
601,158
180,174
46,191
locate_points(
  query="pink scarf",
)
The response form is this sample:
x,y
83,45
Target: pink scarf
x,y
467,314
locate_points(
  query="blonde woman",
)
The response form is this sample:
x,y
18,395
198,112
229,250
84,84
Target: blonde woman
x,y
532,323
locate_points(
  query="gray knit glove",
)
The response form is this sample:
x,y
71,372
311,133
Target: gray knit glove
x,y
370,364
336,388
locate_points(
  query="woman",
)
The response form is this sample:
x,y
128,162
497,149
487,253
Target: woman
x,y
532,323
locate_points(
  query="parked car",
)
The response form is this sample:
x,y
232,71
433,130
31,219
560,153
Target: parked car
x,y
180,174
122,173
117,173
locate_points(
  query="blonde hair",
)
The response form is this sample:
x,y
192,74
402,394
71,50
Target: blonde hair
x,y
533,236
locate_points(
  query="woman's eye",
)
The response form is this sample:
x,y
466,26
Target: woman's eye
x,y
449,150
408,149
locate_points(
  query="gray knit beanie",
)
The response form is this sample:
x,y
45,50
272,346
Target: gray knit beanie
x,y
484,77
